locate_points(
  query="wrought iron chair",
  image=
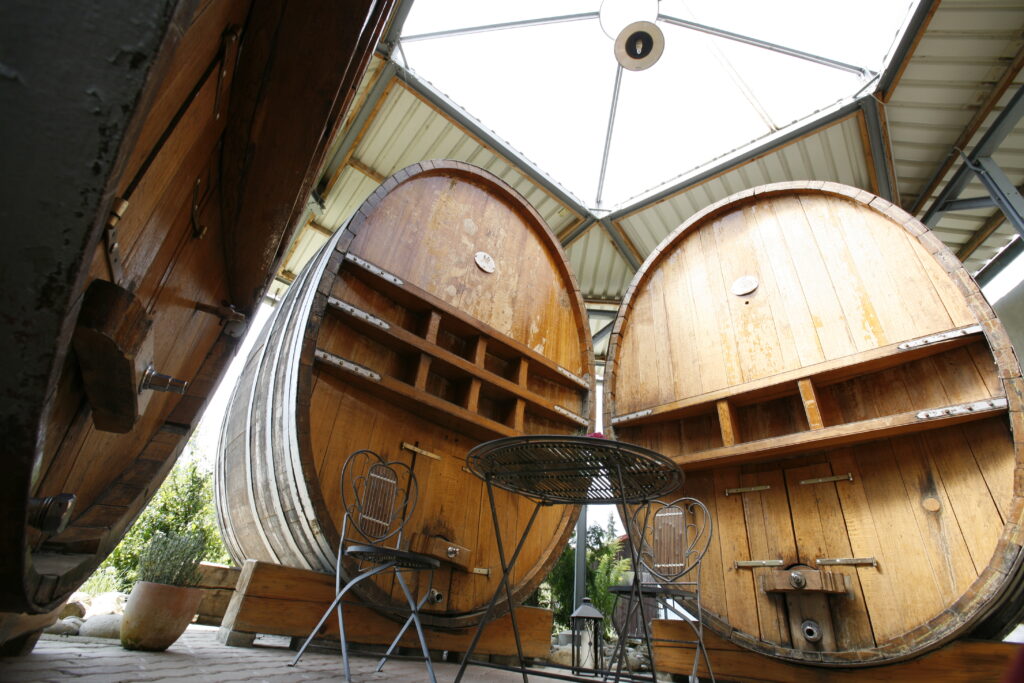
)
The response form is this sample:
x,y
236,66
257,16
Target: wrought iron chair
x,y
672,539
378,498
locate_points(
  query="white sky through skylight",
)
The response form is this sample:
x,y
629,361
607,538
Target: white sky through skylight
x,y
547,90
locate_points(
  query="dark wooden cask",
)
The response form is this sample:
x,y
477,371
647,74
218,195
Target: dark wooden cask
x,y
203,180
442,315
848,406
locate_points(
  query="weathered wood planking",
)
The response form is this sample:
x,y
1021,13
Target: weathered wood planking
x,y
160,237
961,661
275,600
861,401
401,333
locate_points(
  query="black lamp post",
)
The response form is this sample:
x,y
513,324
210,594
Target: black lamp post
x,y
587,625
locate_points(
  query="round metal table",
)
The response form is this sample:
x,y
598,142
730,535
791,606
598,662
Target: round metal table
x,y
552,469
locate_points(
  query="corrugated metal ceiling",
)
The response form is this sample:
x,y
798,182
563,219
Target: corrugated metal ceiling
x,y
955,76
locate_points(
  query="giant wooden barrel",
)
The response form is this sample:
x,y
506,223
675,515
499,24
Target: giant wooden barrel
x,y
442,315
845,402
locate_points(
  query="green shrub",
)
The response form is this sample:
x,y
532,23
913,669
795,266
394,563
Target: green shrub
x,y
182,507
602,571
172,559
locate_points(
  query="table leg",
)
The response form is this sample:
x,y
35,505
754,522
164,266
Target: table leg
x,y
506,570
636,592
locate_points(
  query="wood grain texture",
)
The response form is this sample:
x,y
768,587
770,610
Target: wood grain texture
x,y
961,661
818,383
286,601
395,334
172,246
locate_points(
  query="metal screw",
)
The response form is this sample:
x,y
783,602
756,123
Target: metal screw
x,y
452,551
797,580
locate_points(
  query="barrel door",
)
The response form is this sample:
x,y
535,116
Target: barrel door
x,y
443,315
844,400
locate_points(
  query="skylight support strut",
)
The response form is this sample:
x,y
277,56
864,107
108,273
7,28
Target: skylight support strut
x,y
986,147
522,23
765,45
608,135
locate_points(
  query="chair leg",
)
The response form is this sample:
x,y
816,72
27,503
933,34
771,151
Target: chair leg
x,y
419,627
405,627
337,603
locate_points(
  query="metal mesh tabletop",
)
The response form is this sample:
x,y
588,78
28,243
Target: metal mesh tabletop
x,y
574,470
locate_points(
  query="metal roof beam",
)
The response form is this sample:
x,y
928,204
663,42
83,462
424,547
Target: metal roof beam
x,y
578,230
1002,191
988,144
391,38
608,135
734,162
765,45
878,146
969,204
620,243
522,23
1000,261
362,117
911,36
475,128
604,331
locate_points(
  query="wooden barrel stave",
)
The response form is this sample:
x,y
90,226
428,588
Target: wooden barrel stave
x,y
806,381
149,218
453,355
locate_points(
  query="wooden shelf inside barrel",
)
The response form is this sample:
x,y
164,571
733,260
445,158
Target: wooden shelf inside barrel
x,y
802,391
484,388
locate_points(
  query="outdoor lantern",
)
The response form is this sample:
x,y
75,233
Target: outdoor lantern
x,y
587,625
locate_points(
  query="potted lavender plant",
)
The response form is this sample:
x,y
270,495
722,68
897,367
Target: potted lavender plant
x,y
164,599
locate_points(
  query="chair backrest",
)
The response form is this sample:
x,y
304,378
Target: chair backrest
x,y
378,496
674,537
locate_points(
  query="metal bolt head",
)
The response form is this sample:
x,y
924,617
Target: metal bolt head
x,y
811,631
797,580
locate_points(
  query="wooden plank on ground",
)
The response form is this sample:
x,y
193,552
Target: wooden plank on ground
x,y
275,600
959,661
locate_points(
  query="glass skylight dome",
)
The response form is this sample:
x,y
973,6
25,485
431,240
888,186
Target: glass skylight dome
x,y
542,75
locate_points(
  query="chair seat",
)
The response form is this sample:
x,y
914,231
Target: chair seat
x,y
401,558
647,591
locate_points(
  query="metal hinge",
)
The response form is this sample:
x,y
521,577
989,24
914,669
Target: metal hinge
x,y
745,564
747,489
573,376
963,409
824,480
357,313
416,449
113,249
571,415
935,338
632,416
346,365
379,272
846,561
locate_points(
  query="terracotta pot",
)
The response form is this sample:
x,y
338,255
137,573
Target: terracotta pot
x,y
157,614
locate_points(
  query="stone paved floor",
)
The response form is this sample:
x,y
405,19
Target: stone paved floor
x,y
197,657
